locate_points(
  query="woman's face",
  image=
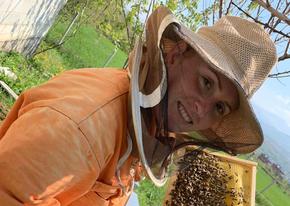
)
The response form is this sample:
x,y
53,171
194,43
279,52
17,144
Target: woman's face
x,y
198,96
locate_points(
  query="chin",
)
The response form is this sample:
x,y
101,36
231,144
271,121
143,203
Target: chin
x,y
177,129
173,128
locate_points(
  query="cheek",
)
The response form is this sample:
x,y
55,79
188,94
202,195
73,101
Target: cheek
x,y
174,83
206,122
191,91
191,80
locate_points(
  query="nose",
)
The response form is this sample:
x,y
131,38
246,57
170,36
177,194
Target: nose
x,y
203,106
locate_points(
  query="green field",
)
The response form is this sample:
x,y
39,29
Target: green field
x,y
274,194
263,179
86,48
277,196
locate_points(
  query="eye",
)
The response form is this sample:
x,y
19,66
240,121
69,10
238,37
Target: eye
x,y
207,83
221,108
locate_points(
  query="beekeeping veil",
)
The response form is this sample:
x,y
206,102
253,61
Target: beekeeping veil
x,y
239,49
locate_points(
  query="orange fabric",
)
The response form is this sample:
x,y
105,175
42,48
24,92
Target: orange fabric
x,y
61,142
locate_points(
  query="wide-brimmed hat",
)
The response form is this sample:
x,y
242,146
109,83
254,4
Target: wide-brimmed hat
x,y
239,49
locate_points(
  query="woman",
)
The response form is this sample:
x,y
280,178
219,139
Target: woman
x,y
79,138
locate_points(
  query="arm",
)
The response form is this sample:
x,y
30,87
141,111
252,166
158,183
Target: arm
x,y
45,159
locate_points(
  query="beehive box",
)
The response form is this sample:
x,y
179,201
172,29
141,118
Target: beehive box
x,y
243,180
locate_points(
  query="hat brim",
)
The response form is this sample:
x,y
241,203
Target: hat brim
x,y
138,121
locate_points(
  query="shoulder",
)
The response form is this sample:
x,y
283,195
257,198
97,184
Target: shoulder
x,y
97,77
78,93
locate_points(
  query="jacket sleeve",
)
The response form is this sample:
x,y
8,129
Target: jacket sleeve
x,y
45,160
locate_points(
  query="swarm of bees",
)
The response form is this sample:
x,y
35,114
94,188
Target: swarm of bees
x,y
202,181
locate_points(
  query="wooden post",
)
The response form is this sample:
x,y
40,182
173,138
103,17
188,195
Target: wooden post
x,y
109,59
8,89
69,28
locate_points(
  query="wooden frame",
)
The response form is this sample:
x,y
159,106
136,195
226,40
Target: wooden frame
x,y
250,166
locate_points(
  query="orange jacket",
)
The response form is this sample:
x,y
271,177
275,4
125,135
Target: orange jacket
x,y
61,142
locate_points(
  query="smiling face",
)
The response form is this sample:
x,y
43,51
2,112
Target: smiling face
x,y
198,96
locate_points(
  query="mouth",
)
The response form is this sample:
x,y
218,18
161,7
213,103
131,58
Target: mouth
x,y
183,113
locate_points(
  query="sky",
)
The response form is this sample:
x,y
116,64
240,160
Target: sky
x,y
274,97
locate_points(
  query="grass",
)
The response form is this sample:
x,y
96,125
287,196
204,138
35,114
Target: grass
x,y
274,194
149,194
29,73
277,196
263,179
87,48
261,200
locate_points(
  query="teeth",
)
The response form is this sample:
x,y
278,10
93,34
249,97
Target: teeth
x,y
183,113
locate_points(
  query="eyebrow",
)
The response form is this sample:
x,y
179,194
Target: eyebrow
x,y
220,86
217,77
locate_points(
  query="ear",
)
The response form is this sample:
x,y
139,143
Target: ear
x,y
178,49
